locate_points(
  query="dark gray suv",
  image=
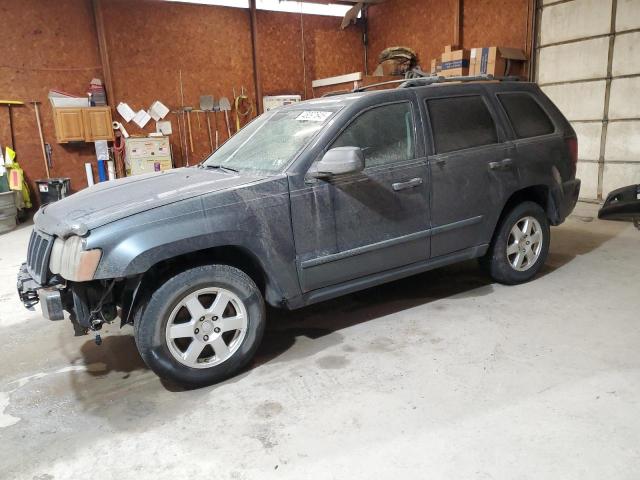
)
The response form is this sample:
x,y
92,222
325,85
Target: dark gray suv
x,y
306,203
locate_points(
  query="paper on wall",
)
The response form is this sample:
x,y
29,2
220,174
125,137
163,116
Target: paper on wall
x,y
125,111
141,118
102,149
164,127
158,110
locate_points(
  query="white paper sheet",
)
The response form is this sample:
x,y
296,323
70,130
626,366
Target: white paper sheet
x,y
125,111
164,127
141,118
158,110
313,116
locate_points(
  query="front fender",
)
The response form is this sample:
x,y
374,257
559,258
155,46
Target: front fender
x,y
133,245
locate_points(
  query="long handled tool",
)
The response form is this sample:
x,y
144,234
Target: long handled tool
x,y
44,151
10,104
188,110
206,105
184,127
225,106
216,109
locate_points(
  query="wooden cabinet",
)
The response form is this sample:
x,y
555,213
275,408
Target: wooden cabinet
x,y
83,124
69,125
97,124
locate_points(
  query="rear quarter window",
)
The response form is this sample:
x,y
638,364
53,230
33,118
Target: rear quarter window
x,y
461,122
526,116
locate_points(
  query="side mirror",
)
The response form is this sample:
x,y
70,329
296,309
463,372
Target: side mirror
x,y
339,161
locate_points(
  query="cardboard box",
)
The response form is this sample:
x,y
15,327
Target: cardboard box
x,y
436,66
496,61
455,63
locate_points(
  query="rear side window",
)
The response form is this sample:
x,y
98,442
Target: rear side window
x,y
385,134
527,117
461,122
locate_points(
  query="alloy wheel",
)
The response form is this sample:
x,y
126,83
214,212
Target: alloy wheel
x,y
206,327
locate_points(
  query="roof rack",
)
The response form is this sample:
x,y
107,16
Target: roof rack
x,y
432,79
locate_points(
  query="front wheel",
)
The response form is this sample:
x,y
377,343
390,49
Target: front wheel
x,y
520,245
201,326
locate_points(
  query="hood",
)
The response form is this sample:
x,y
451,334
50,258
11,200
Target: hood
x,y
109,201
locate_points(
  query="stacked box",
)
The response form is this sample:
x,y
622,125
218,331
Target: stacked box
x,y
496,61
455,63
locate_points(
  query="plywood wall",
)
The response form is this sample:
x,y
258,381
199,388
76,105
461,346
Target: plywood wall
x,y
54,45
150,42
428,25
46,45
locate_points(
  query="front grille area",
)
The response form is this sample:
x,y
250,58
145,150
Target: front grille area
x,y
40,245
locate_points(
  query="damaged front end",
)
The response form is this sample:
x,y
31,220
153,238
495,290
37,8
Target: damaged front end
x,y
59,273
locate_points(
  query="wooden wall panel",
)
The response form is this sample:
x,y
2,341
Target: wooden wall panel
x,y
497,22
328,51
210,45
428,25
280,53
46,45
423,25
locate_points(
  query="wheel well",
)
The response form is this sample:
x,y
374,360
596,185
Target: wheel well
x,y
536,193
226,255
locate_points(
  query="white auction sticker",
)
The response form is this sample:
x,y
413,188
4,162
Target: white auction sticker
x,y
313,116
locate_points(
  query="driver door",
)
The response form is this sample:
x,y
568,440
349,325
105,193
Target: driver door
x,y
379,216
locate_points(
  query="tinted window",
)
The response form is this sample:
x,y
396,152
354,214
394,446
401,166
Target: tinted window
x,y
385,134
526,116
461,122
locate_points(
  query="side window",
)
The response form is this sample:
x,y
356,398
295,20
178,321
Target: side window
x,y
385,134
526,116
461,122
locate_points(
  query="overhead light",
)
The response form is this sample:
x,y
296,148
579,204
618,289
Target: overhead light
x,y
220,3
302,7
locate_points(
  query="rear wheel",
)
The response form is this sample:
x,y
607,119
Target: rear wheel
x,y
520,245
201,326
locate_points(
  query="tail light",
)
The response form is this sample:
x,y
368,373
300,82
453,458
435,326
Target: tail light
x,y
572,146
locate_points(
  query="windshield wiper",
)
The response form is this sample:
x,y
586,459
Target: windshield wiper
x,y
220,167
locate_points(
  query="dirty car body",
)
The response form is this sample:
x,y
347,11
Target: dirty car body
x,y
300,234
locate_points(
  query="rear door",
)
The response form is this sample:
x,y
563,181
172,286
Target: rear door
x,y
471,166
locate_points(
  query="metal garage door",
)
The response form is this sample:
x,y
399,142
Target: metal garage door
x,y
589,64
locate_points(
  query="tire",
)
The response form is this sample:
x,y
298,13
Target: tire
x,y
168,334
502,264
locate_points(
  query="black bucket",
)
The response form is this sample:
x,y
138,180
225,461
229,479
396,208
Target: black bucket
x,y
53,189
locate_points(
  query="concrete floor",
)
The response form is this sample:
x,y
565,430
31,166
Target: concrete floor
x,y
443,375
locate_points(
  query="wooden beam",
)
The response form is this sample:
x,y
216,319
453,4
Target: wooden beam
x,y
457,23
256,64
104,52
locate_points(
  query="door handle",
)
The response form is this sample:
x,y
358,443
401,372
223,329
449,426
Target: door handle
x,y
414,182
505,164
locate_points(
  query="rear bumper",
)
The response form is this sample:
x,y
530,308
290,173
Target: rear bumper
x,y
31,292
570,193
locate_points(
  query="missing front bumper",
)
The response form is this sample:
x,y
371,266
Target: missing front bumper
x,y
31,292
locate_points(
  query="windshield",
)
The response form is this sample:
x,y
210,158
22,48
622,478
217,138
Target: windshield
x,y
271,141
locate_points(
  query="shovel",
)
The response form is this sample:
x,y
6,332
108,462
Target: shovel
x,y
225,106
216,109
206,104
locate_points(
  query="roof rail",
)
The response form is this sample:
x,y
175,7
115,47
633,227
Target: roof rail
x,y
432,79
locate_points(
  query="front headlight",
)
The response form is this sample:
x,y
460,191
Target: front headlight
x,y
70,260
